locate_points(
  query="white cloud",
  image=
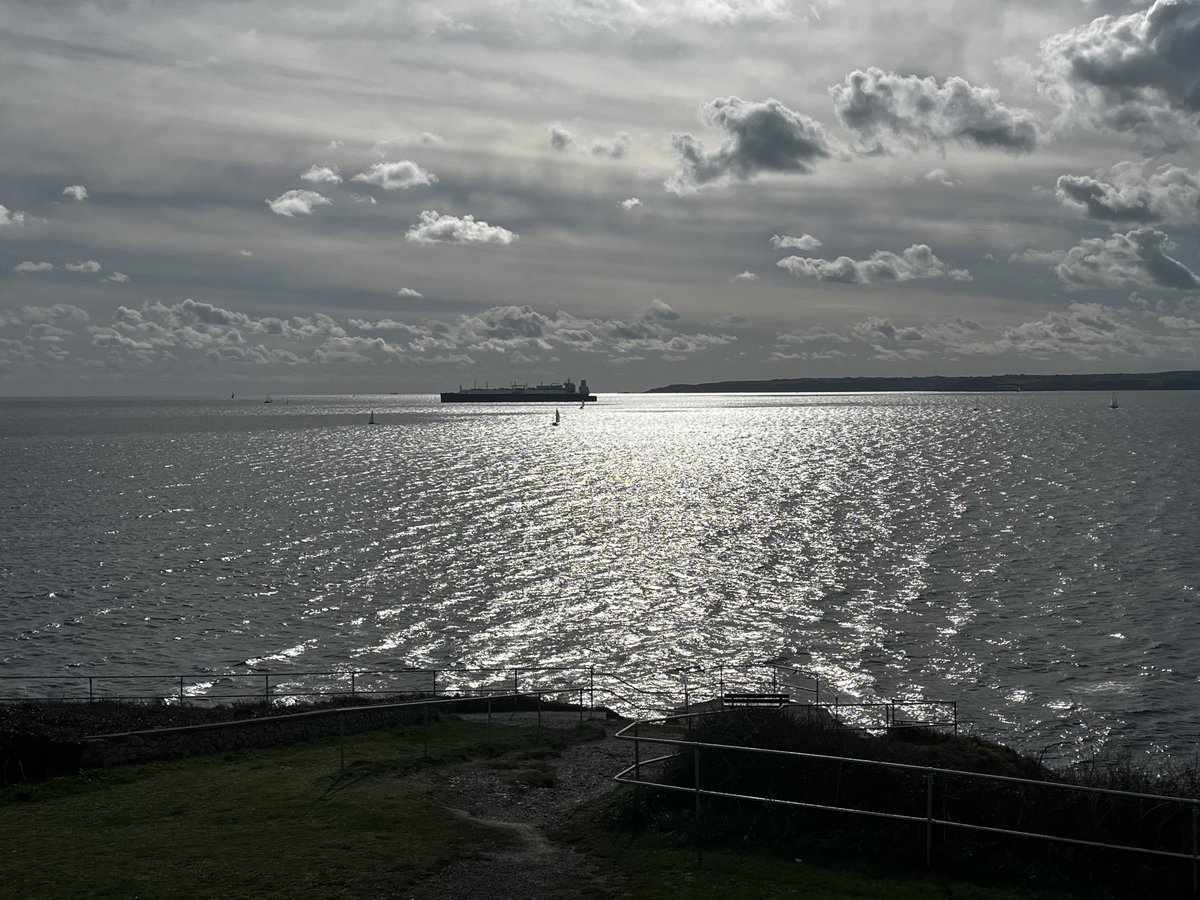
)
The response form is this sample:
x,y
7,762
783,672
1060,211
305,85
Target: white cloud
x,y
630,203
396,176
1126,193
890,111
76,191
744,276
297,203
431,139
761,138
322,174
409,292
918,261
942,177
86,265
1136,259
560,138
436,228
10,217
1135,73
28,267
116,278
787,242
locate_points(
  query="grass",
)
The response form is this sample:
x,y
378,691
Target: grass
x,y
265,823
293,822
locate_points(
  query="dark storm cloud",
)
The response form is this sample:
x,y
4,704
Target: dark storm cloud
x,y
1136,259
764,137
1138,72
1169,194
887,110
918,261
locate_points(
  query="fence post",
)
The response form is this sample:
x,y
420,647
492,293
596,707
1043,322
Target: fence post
x,y
817,688
687,700
425,730
342,739
1195,846
591,686
774,678
696,776
637,752
581,707
954,708
516,685
721,679
539,711
181,692
928,819
489,704
352,674
435,682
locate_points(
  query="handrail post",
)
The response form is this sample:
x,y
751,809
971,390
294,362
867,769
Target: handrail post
x,y
352,674
1195,846
90,689
817,687
434,673
721,679
267,688
592,686
637,751
516,687
687,701
581,707
928,819
539,711
181,692
696,778
489,707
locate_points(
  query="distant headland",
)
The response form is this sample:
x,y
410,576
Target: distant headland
x,y
1145,381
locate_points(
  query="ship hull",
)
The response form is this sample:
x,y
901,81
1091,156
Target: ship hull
x,y
523,397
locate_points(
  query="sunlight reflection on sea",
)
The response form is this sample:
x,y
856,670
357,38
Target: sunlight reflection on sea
x,y
1033,559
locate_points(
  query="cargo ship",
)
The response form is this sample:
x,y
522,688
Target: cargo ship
x,y
558,392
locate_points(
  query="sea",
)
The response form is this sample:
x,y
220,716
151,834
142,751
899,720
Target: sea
x,y
1032,557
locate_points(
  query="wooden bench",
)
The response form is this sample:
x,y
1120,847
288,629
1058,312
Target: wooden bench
x,y
774,700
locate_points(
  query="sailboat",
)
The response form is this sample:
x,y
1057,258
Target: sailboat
x,y
268,400
555,422
371,421
1112,404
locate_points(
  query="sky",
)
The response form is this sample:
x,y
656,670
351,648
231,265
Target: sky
x,y
396,195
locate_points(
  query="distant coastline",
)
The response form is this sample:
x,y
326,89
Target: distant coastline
x,y
1145,381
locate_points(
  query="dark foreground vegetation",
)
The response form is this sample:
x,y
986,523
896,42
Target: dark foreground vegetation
x,y
371,815
980,384
1043,807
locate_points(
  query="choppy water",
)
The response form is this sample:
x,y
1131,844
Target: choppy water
x,y
1035,559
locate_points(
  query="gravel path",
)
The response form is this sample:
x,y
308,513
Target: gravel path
x,y
527,801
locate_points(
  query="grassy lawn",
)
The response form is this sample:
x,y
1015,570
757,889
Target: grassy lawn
x,y
292,822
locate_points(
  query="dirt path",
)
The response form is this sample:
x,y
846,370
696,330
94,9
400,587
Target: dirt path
x,y
527,799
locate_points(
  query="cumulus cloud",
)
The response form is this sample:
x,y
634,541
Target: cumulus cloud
x,y
396,176
942,177
918,261
436,228
890,111
560,139
322,174
615,147
409,292
1139,72
85,265
631,203
744,276
116,278
297,203
10,217
760,138
76,192
1169,194
787,242
1136,259
28,267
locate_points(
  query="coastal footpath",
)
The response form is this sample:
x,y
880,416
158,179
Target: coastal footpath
x,y
1144,381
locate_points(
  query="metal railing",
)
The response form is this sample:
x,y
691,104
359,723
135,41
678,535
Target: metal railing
x,y
678,689
632,775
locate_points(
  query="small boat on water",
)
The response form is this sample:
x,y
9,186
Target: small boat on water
x,y
371,421
268,400
1113,404
555,422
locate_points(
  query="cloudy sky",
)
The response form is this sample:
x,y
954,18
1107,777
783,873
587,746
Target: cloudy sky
x,y
406,196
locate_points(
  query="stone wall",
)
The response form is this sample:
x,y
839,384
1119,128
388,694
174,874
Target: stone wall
x,y
221,737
